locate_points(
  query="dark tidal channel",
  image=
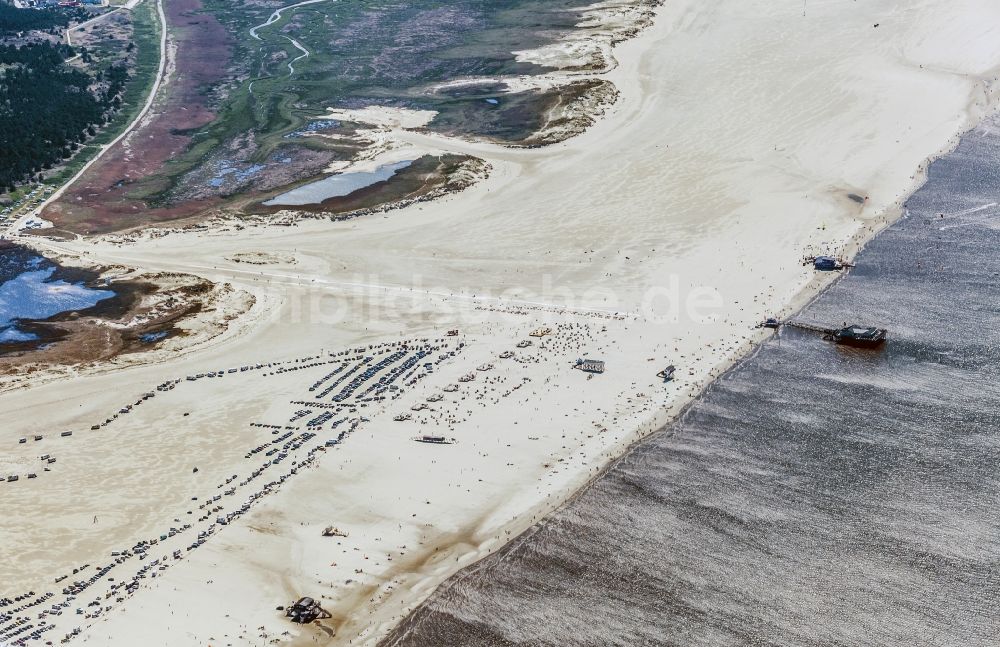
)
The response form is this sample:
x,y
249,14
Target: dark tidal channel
x,y
814,495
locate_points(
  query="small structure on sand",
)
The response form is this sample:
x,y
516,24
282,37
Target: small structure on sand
x,y
333,531
453,332
434,440
524,344
401,417
827,263
305,611
540,332
590,365
667,374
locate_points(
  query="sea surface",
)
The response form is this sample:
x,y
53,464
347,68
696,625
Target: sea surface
x,y
33,288
815,495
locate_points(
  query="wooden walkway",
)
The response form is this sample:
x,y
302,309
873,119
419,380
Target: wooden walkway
x,y
805,326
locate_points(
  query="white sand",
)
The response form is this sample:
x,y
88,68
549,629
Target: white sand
x,y
741,129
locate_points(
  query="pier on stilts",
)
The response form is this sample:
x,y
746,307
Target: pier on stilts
x,y
810,327
861,336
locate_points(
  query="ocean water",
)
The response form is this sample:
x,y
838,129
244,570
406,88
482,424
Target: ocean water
x,y
31,288
815,495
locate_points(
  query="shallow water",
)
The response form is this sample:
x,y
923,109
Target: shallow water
x,y
31,288
815,495
336,186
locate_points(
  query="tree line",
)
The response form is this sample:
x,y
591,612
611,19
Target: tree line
x,y
14,20
48,109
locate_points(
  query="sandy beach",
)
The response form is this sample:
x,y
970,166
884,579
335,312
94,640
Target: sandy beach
x,y
747,136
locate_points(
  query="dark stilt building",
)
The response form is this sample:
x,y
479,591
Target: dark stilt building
x,y
861,336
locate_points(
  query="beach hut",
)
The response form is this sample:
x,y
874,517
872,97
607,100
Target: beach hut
x,y
667,374
826,263
434,440
305,610
590,365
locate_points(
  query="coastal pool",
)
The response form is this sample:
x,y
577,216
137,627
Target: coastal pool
x,y
336,186
32,288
